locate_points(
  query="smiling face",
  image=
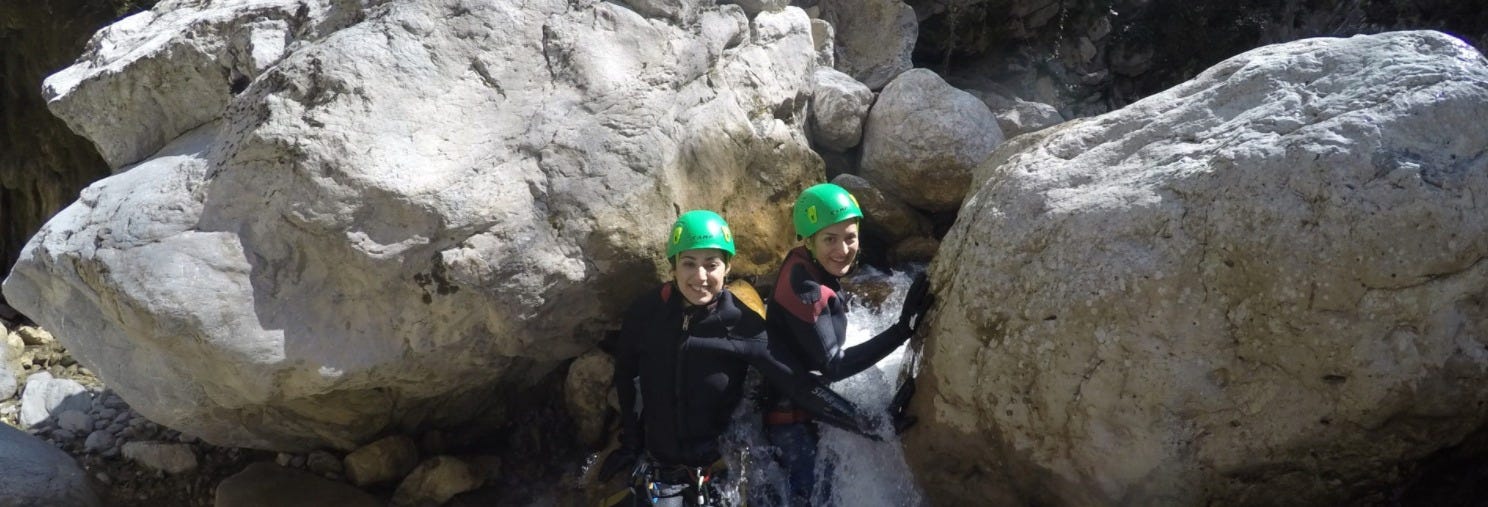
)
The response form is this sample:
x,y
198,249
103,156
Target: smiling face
x,y
700,273
836,247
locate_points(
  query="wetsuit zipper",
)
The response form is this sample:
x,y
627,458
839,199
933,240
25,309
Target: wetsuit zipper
x,y
677,375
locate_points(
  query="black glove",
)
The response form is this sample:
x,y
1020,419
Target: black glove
x,y
916,303
623,458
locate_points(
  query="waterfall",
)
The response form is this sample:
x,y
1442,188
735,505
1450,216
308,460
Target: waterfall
x,y
862,473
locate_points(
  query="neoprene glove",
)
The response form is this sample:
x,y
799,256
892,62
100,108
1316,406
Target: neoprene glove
x,y
916,303
620,459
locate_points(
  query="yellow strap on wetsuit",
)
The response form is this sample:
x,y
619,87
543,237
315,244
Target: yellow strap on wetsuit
x,y
745,293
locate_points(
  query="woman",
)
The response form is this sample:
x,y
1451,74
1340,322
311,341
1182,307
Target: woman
x,y
680,362
807,318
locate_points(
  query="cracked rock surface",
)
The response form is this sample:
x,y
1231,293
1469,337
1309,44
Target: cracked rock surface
x,y
335,218
1269,278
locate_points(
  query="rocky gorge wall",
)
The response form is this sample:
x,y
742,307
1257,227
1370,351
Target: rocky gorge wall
x,y
45,163
331,221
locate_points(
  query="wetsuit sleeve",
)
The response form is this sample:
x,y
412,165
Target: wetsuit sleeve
x,y
627,366
783,370
817,319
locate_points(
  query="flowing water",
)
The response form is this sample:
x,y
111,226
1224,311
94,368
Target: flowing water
x,y
862,473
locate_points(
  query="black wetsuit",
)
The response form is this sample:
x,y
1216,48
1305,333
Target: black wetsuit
x,y
687,364
807,312
807,318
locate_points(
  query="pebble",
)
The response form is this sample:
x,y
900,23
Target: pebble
x,y
75,421
107,413
115,428
103,477
63,436
123,418
98,441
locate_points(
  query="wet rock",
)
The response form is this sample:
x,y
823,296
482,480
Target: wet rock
x,y
884,217
45,396
1276,266
384,460
263,484
586,393
37,474
837,110
168,457
435,481
923,138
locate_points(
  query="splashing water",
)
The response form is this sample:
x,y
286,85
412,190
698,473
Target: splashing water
x,y
861,472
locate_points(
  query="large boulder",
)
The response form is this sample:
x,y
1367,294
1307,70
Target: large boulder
x,y
924,137
265,483
1269,279
348,220
36,474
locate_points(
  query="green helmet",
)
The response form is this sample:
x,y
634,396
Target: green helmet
x,y
700,229
823,205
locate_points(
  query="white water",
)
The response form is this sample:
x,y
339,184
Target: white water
x,y
863,473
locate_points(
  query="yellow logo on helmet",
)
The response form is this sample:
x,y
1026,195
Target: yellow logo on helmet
x,y
854,200
727,235
677,235
811,214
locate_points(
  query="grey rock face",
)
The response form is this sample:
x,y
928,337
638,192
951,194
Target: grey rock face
x,y
923,138
838,108
36,474
1276,266
317,221
875,38
268,484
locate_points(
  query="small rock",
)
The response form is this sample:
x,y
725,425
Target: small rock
x,y
45,396
63,436
32,335
122,418
435,481
107,414
98,441
323,463
266,484
115,402
75,421
103,477
8,384
297,462
162,456
384,460
283,458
